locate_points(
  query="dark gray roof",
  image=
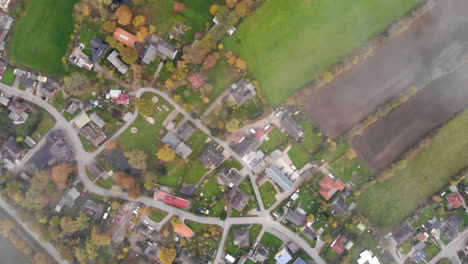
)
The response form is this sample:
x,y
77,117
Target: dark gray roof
x,y
260,253
241,237
96,208
280,178
150,54
403,233
339,207
419,246
187,257
114,59
166,49
98,49
237,199
450,227
292,127
227,176
211,156
171,139
27,82
242,91
55,151
185,131
299,260
50,88
247,144
12,147
188,189
293,247
297,217
309,233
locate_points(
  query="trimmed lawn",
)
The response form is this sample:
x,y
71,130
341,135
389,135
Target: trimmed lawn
x,y
59,101
157,215
271,241
298,156
424,216
87,145
268,192
221,78
431,250
195,172
254,232
41,36
351,170
276,140
106,183
9,77
44,126
286,45
390,202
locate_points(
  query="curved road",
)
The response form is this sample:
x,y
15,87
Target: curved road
x,y
85,158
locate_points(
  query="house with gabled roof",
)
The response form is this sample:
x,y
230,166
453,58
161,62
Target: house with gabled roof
x,y
114,59
455,200
211,157
197,80
296,217
339,244
98,49
237,199
125,37
241,237
242,91
330,185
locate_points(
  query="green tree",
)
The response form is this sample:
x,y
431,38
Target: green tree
x,y
98,239
233,125
150,180
137,158
146,107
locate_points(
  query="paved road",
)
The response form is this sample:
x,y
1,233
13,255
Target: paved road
x,y
450,250
84,158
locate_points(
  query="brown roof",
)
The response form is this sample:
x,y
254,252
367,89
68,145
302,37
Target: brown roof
x,y
330,186
184,230
125,37
197,80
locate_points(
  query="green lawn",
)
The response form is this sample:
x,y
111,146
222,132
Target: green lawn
x,y
106,183
351,170
40,37
431,250
195,172
276,140
9,77
388,203
157,215
271,241
44,126
221,78
87,145
298,156
286,45
59,101
424,216
268,192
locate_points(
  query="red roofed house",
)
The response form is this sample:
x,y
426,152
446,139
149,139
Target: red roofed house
x,y
339,244
455,200
123,99
197,80
125,37
171,200
184,230
330,186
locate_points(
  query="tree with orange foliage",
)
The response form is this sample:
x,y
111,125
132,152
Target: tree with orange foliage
x,y
142,33
109,26
240,64
167,255
231,3
60,173
124,15
139,21
112,144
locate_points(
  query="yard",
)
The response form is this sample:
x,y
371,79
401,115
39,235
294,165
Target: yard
x,y
44,126
351,170
41,36
268,192
298,156
271,242
9,77
276,139
287,45
389,202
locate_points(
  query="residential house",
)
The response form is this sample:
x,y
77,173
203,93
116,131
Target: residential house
x,y
294,129
419,256
56,150
455,200
97,120
242,91
5,24
29,141
50,88
280,178
81,120
93,208
451,226
309,233
254,161
260,254
330,185
283,256
241,237
18,112
197,80
403,233
176,144
10,153
293,247
98,49
3,68
237,199
229,177
158,46
119,97
68,199
186,257
78,58
5,100
296,217
26,79
184,231
367,257
340,207
211,157
171,200
95,137
4,4
299,260
73,105
185,131
114,59
188,189
125,37
246,144
339,244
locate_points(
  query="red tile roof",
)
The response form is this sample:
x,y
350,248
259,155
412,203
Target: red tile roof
x,y
330,186
423,237
172,200
197,80
125,37
184,230
259,134
123,99
339,244
455,200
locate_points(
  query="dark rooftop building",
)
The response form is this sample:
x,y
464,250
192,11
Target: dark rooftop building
x,y
158,46
260,254
294,129
246,144
403,233
237,199
451,226
229,177
309,233
93,208
340,207
299,260
98,49
50,88
188,189
185,131
28,81
211,157
55,151
176,144
242,91
241,237
297,217
187,257
293,247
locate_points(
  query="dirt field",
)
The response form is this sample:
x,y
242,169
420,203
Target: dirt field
x,y
400,63
389,137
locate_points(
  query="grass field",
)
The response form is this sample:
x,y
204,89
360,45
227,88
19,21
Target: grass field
x,y
44,126
276,139
41,36
286,45
298,156
389,202
268,192
9,77
271,241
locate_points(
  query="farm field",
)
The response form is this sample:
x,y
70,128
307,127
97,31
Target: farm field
x,y
303,50
388,203
401,62
385,140
41,36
